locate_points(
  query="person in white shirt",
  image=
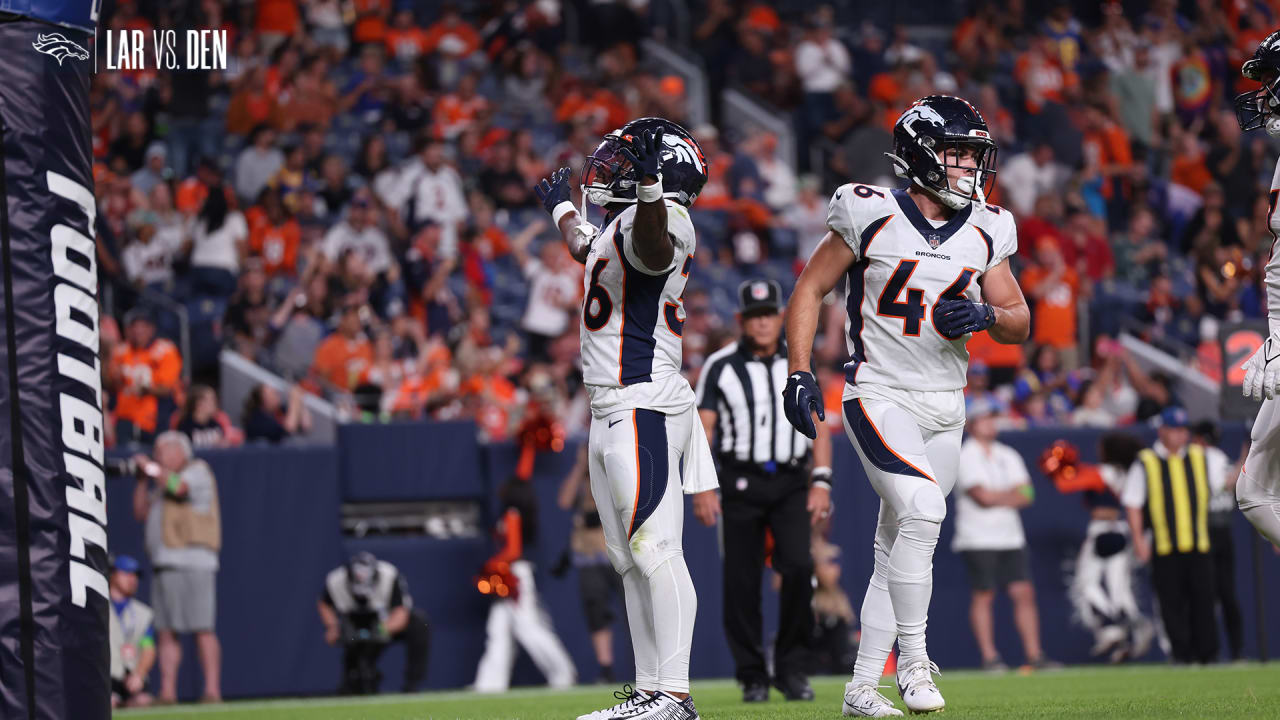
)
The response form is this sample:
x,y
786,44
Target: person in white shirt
x,y
219,241
360,234
992,486
148,258
555,286
822,64
807,216
822,61
1028,175
257,163
437,196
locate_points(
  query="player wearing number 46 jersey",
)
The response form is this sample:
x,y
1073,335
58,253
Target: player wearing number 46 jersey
x,y
645,436
925,268
1258,489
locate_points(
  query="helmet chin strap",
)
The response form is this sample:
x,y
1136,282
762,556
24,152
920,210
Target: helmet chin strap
x,y
1272,126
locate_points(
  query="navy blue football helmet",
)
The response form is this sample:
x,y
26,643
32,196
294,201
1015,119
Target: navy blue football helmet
x,y
928,139
1258,108
608,178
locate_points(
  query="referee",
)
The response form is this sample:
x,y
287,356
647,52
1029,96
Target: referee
x,y
767,485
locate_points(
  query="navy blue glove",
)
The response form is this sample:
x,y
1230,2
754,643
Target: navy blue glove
x,y
645,154
957,316
800,399
554,190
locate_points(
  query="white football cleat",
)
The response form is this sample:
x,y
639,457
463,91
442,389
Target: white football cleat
x,y
915,684
634,704
668,707
866,701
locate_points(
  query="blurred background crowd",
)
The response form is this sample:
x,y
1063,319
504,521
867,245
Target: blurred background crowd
x,y
349,205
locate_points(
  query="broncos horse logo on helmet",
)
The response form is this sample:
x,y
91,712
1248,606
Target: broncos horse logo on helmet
x,y
608,177
927,139
1257,108
57,45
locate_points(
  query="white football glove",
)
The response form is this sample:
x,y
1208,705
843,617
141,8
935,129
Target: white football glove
x,y
1262,371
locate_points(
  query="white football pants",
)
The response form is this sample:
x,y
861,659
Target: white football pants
x,y
635,462
912,469
1258,489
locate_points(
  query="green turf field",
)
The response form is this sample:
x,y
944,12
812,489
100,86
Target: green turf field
x,y
1131,693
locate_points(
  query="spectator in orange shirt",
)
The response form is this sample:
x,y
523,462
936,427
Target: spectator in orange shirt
x,y
1041,75
141,371
274,236
1189,168
1108,155
277,20
371,21
1052,286
343,356
405,41
451,36
456,111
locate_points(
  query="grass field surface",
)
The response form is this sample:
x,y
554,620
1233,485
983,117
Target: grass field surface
x,y
1131,693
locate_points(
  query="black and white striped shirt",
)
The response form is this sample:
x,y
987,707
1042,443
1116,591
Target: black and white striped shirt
x,y
745,391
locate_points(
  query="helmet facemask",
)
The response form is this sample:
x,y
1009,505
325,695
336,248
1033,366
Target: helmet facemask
x,y
975,156
607,175
1258,108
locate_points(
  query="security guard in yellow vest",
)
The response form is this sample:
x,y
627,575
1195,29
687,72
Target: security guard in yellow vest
x,y
1167,492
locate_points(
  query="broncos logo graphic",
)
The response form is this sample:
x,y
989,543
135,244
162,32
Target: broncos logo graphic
x,y
917,113
59,46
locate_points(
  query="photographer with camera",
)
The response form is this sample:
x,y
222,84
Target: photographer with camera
x,y
366,606
177,499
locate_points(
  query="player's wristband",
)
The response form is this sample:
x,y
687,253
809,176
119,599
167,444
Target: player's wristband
x,y
821,477
173,484
1027,491
649,193
560,210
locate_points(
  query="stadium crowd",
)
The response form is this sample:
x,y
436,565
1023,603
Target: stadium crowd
x,y
350,203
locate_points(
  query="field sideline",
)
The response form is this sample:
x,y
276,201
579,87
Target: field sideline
x,y
1130,692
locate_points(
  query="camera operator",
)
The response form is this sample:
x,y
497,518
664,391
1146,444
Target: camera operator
x,y
366,605
133,645
177,498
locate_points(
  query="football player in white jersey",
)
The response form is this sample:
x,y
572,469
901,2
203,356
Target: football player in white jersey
x,y
644,424
1258,489
925,267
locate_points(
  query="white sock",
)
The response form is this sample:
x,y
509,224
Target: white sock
x,y
675,606
879,625
640,619
879,630
911,585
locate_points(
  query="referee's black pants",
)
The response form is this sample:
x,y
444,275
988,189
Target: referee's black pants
x,y
1185,586
1224,569
776,502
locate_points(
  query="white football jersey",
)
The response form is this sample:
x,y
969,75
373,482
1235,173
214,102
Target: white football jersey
x,y
633,319
1272,276
905,265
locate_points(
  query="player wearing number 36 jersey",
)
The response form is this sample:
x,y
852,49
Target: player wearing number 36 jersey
x,y
645,439
924,268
